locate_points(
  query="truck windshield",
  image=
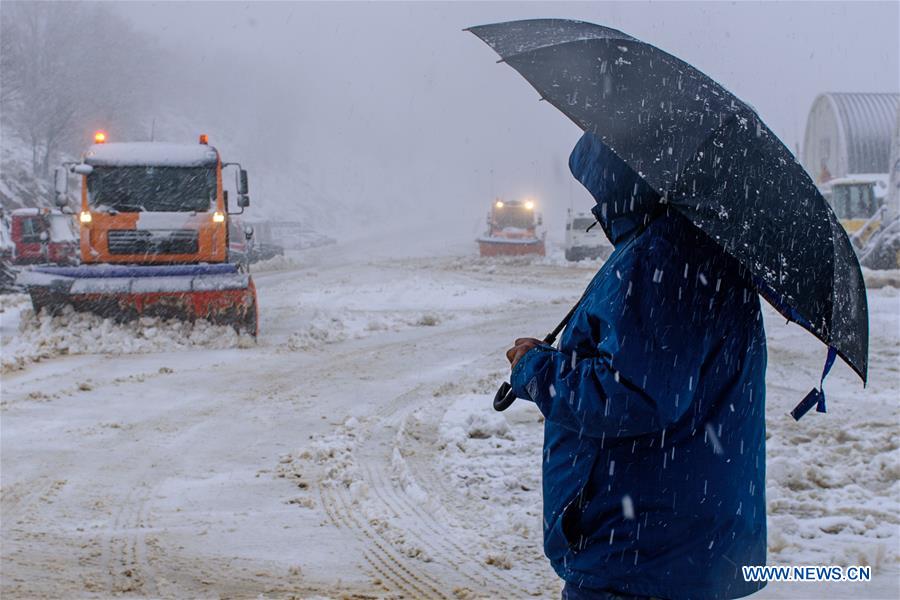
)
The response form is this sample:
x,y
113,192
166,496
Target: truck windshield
x,y
514,216
853,201
152,189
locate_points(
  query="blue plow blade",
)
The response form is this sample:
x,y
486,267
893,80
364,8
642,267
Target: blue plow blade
x,y
95,271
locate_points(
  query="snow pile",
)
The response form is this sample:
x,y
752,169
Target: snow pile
x,y
276,263
326,327
493,461
876,279
483,424
834,500
832,492
532,266
881,250
832,486
13,301
332,453
44,336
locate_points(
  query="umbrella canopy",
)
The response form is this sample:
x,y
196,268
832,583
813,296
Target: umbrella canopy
x,y
708,154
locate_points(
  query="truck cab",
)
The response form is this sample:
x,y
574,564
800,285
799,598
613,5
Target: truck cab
x,y
43,236
583,239
154,203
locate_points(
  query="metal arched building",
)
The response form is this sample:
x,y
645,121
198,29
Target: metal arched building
x,y
849,134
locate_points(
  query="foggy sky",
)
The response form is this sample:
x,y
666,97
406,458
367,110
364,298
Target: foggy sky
x,y
389,109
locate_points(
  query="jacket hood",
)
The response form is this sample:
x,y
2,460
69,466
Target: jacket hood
x,y
625,202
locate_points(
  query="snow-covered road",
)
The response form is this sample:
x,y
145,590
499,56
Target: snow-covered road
x,y
352,450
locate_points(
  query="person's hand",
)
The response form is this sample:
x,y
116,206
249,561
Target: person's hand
x,y
520,347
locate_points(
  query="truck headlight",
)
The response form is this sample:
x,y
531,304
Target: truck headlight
x,y
85,216
218,217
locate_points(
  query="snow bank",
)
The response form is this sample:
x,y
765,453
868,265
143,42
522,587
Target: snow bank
x,y
493,460
329,327
876,279
43,336
834,500
276,263
13,301
832,485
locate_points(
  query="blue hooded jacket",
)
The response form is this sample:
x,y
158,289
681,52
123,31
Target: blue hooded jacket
x,y
654,405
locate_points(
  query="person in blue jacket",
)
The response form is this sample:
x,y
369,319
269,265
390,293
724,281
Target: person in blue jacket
x,y
653,404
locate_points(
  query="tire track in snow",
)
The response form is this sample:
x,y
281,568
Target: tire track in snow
x,y
437,539
401,571
452,561
127,558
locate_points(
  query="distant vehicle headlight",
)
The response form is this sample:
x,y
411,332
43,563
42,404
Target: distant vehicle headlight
x,y
499,204
529,205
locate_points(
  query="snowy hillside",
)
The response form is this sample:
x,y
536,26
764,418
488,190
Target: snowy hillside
x,y
18,186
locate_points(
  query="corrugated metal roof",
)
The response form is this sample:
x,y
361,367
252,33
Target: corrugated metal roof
x,y
868,120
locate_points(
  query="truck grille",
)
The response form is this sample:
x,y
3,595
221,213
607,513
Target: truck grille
x,y
152,241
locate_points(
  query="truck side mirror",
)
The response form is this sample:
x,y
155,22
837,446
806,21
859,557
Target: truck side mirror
x,y
62,186
45,237
243,188
240,180
248,232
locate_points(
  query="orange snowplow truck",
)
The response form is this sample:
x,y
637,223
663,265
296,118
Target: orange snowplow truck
x,y
153,237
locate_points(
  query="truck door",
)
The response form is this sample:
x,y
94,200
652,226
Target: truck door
x,y
29,246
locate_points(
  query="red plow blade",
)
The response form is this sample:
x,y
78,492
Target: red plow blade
x,y
510,247
216,293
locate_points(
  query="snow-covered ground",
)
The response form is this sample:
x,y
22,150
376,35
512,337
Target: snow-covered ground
x,y
353,450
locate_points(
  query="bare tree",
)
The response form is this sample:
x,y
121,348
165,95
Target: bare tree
x,y
68,67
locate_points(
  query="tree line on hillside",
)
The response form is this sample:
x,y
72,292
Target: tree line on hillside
x,y
67,69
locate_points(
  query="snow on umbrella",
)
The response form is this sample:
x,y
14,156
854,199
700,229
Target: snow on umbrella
x,y
709,155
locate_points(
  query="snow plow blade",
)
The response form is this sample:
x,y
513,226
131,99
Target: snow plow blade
x,y
510,247
217,293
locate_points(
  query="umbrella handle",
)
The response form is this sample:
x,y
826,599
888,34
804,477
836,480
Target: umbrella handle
x,y
504,397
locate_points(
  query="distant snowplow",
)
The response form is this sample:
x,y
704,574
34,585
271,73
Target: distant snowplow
x,y
512,230
154,238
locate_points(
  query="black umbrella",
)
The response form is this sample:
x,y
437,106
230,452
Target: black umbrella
x,y
709,155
